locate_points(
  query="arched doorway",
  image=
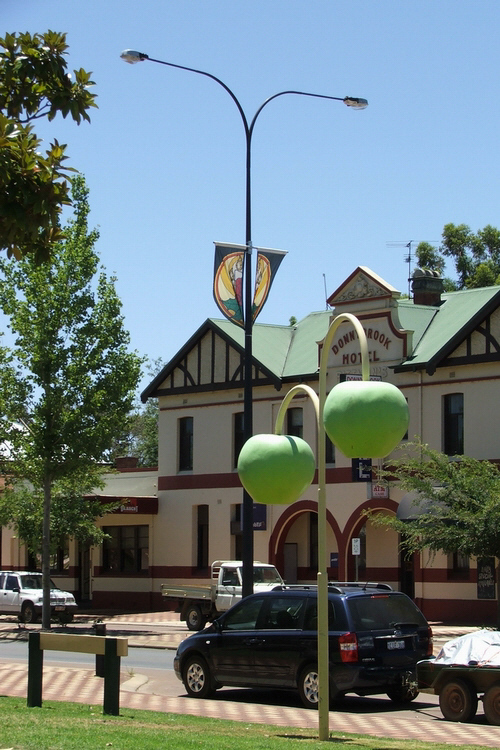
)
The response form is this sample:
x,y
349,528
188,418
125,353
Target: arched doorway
x,y
379,548
293,546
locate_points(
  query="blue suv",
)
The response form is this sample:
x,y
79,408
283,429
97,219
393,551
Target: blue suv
x,y
269,640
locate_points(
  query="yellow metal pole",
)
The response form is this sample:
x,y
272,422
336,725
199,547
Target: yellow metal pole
x,y
323,645
322,577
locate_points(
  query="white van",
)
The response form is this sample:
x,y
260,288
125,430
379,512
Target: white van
x,y
21,594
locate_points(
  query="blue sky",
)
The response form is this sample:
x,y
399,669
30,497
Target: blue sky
x,y
164,154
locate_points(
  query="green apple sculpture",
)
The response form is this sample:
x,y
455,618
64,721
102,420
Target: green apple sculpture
x,y
365,418
276,469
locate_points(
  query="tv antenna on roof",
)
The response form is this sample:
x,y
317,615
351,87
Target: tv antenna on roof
x,y
409,256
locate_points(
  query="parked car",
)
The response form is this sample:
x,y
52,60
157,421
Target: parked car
x,y
204,602
269,640
21,594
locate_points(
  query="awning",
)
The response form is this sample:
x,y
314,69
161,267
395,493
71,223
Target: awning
x,y
413,504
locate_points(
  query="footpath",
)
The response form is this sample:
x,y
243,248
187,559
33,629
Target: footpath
x,y
162,630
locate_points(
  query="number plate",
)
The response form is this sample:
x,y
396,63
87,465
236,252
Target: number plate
x,y
395,644
59,609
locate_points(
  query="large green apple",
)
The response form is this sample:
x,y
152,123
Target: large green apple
x,y
365,418
276,469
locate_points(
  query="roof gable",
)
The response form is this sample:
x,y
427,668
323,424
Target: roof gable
x,y
362,284
451,326
213,357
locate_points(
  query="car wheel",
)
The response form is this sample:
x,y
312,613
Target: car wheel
x,y
196,677
491,704
194,618
308,686
65,618
28,613
457,701
402,694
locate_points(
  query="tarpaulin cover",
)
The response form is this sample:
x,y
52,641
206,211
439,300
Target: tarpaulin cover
x,y
481,648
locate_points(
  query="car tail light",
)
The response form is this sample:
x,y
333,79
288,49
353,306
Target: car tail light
x,y
430,642
348,644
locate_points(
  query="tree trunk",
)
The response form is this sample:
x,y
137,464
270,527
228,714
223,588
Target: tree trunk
x,y
47,487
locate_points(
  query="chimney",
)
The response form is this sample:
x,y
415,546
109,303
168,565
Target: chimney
x,y
427,287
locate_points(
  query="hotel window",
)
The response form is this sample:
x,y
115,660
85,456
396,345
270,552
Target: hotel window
x,y
453,424
202,536
186,444
459,564
329,451
313,541
59,560
294,422
236,535
238,436
126,550
405,436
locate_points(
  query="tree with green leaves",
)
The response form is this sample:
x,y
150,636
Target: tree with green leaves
x,y
34,84
140,437
457,505
75,381
476,256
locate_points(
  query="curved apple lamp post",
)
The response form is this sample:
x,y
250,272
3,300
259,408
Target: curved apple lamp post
x,y
362,418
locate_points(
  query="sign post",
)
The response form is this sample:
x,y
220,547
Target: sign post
x,y
356,551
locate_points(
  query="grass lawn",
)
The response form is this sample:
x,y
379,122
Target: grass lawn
x,y
74,726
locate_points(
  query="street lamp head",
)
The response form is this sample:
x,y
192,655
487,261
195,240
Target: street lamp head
x,y
352,101
132,56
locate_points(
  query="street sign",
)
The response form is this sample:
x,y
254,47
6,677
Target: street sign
x,y
356,545
361,469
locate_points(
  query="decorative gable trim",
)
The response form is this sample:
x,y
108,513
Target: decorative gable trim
x,y
362,284
209,361
480,345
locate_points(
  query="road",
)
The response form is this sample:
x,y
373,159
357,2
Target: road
x,y
138,658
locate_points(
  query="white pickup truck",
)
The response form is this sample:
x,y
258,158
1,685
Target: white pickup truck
x,y
199,604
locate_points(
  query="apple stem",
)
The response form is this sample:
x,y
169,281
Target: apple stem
x,y
280,418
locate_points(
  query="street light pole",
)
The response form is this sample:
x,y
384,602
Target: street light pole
x,y
132,56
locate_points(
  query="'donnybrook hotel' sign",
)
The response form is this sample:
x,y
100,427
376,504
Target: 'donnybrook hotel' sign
x,y
384,343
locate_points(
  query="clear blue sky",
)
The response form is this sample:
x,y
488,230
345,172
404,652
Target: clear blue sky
x,y
164,154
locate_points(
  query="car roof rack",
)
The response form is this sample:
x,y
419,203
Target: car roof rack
x,y
363,585
335,586
332,586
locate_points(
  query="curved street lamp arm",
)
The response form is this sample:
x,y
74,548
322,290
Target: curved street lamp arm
x,y
143,56
299,93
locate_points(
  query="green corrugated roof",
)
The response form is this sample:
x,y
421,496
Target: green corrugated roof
x,y
270,344
303,356
287,351
439,330
292,351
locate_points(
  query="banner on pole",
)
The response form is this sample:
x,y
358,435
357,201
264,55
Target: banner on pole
x,y
229,268
228,281
268,262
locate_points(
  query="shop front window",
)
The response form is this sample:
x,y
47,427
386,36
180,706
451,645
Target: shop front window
x,y
126,550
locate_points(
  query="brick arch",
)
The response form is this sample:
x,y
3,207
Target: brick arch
x,y
286,521
354,524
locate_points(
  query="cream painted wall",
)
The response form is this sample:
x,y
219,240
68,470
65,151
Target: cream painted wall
x,y
381,547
